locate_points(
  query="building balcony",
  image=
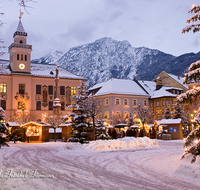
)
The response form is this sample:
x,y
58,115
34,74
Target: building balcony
x,y
24,46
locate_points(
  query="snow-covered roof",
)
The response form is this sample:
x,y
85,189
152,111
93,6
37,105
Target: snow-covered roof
x,y
40,70
169,121
118,86
13,124
178,79
149,86
162,92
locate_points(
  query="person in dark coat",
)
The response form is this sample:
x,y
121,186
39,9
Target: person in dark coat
x,y
15,136
114,134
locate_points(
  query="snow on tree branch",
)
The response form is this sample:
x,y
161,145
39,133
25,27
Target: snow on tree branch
x,y
194,18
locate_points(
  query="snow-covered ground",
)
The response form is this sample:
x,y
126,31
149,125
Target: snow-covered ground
x,y
126,163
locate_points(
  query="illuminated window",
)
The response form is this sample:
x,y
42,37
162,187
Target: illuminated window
x,y
73,90
126,114
167,102
3,87
106,115
157,104
21,88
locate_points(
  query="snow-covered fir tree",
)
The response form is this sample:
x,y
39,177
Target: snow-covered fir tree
x,y
192,143
101,129
167,114
3,129
80,126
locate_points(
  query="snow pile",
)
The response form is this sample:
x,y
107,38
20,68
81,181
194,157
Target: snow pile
x,y
188,170
123,143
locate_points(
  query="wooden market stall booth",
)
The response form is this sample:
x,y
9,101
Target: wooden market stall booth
x,y
36,132
172,127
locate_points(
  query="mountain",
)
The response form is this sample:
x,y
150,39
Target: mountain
x,y
107,58
49,58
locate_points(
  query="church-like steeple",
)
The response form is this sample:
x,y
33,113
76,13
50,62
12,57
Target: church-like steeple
x,y
20,52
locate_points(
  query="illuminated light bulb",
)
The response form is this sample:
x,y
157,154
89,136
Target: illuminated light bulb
x,y
186,149
193,6
196,141
194,86
184,139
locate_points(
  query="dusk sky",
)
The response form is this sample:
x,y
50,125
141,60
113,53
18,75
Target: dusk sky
x,y
62,24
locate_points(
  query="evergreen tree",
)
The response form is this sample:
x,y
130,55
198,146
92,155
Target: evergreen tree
x,y
80,125
177,111
167,114
3,129
192,143
101,129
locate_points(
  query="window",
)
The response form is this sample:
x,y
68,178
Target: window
x,y
174,92
21,42
73,90
118,114
163,102
62,90
17,56
25,57
106,102
50,90
3,87
38,89
21,57
3,104
62,105
125,102
126,115
117,101
21,88
106,115
171,102
145,103
157,104
50,105
134,102
151,104
167,102
38,105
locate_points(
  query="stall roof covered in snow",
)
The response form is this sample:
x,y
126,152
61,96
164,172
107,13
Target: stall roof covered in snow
x,y
118,86
169,121
40,70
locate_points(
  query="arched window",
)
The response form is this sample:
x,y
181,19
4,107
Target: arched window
x,y
145,102
117,102
125,102
106,102
134,102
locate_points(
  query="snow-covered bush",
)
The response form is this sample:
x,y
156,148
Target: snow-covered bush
x,y
192,144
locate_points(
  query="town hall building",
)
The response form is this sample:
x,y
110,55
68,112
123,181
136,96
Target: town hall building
x,y
29,88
